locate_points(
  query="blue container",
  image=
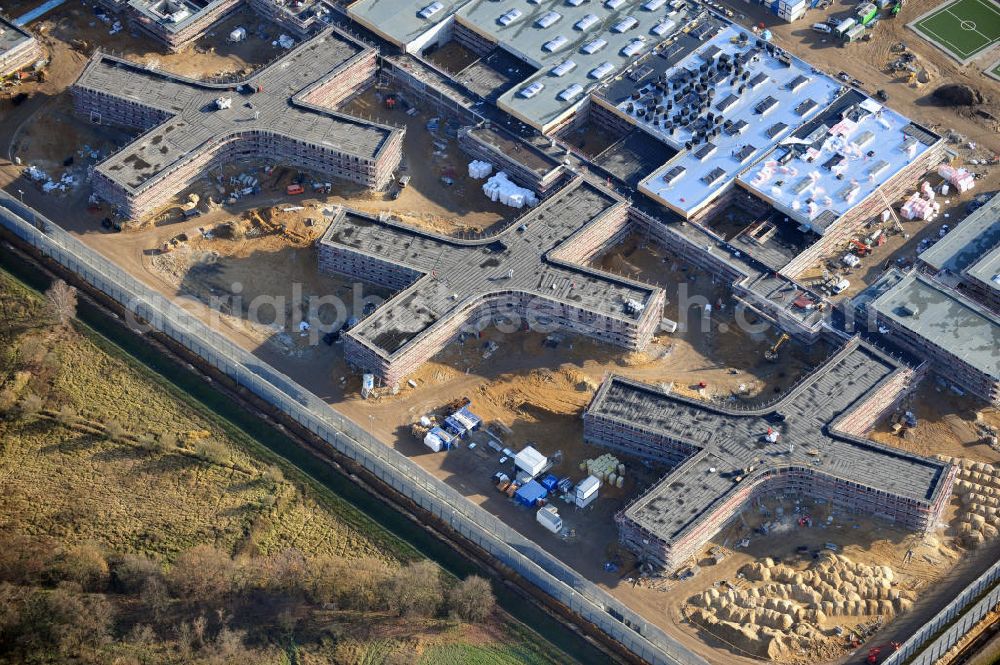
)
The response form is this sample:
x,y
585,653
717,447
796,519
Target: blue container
x,y
529,493
550,482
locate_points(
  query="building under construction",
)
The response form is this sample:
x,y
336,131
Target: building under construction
x,y
809,443
968,257
18,48
960,337
283,113
531,275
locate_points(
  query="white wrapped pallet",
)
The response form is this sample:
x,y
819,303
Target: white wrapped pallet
x,y
479,169
500,188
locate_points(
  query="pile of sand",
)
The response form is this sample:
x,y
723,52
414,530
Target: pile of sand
x,y
561,392
788,609
978,490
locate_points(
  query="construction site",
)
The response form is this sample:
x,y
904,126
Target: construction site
x,y
696,317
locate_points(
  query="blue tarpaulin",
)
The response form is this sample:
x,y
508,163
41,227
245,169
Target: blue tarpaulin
x,y
529,493
549,482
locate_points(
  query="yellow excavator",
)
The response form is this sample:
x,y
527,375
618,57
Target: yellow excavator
x,y
772,353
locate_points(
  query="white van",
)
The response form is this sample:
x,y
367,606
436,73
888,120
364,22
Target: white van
x,y
822,27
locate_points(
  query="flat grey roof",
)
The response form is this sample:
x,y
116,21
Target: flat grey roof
x,y
457,274
730,441
987,270
398,20
943,317
968,242
11,35
193,121
526,38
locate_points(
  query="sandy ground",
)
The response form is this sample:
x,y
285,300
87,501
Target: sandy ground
x,y
537,392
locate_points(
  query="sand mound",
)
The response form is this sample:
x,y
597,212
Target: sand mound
x,y
786,610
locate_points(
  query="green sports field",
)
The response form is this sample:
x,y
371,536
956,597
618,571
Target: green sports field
x,y
963,28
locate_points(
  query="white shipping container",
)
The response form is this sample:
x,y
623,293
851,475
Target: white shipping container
x,y
548,516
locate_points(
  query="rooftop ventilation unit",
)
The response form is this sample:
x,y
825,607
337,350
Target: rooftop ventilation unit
x,y
633,47
625,24
662,28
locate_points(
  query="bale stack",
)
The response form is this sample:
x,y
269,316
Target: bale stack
x,y
978,491
784,611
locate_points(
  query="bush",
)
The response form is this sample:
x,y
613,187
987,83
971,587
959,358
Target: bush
x,y
201,575
211,451
30,405
471,599
273,475
84,565
415,590
132,573
356,584
75,624
113,431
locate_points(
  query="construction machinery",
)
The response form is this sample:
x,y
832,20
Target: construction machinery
x,y
874,652
772,353
860,248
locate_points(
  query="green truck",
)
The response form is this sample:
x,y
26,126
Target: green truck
x,y
866,13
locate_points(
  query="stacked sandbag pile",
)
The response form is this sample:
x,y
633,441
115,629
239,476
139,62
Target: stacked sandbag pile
x,y
978,489
785,610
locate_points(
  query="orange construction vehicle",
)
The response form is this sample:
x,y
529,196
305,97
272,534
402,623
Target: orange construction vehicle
x,y
860,248
292,190
874,652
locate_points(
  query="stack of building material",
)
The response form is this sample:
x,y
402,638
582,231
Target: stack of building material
x,y
479,169
603,466
500,188
960,179
917,207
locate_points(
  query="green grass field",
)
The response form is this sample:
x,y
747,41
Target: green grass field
x,y
68,483
963,28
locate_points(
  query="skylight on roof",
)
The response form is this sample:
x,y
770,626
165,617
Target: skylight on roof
x,y
555,43
548,19
594,46
586,22
510,16
563,68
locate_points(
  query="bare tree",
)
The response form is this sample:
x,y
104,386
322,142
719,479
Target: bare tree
x,y
415,590
62,302
202,574
471,599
